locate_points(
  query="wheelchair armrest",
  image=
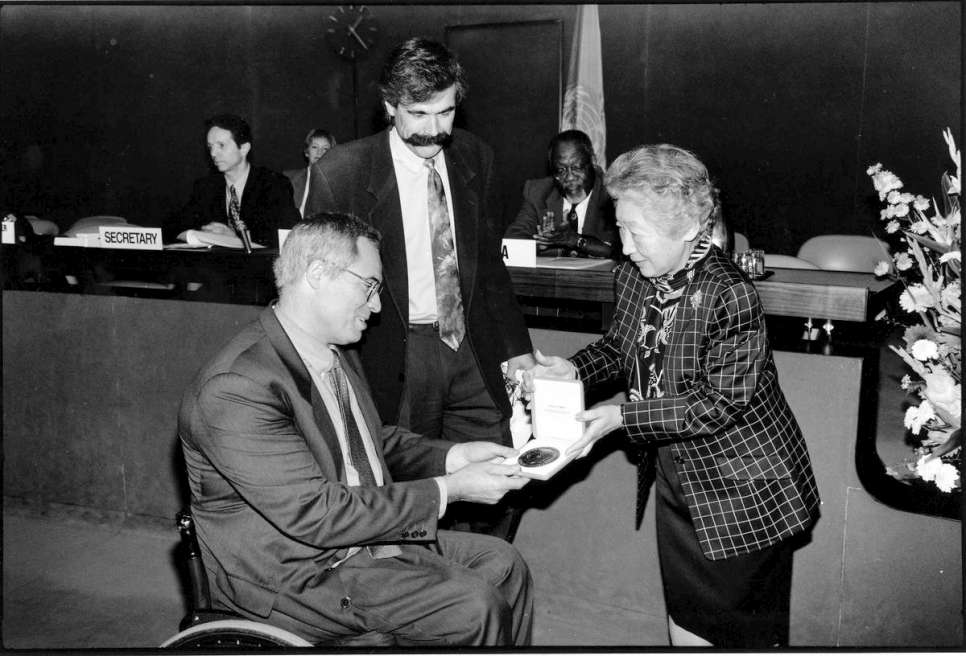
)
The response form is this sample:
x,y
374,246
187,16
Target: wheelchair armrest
x,y
196,617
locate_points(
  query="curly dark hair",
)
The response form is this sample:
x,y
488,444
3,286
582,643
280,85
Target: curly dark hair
x,y
417,69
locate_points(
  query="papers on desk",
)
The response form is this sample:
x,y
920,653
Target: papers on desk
x,y
574,263
203,238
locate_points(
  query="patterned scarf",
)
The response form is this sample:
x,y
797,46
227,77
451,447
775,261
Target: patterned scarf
x,y
647,381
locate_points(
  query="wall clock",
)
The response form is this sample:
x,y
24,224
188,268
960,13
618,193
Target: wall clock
x,y
350,31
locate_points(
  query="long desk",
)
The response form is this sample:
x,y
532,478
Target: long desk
x,y
837,295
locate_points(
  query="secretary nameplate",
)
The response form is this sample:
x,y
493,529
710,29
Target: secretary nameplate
x,y
142,239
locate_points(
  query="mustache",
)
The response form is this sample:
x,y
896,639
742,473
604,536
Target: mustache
x,y
440,139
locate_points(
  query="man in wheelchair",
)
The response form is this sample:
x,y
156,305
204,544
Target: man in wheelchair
x,y
311,515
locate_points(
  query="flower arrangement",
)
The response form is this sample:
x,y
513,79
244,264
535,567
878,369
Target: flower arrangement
x,y
929,270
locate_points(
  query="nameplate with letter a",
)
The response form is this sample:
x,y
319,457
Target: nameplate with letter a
x,y
9,234
141,239
519,252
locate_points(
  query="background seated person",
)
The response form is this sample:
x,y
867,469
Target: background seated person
x,y
239,195
583,214
317,143
311,514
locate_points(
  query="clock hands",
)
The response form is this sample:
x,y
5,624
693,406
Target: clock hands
x,y
358,38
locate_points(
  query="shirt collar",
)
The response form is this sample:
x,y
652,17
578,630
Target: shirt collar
x,y
403,156
317,354
585,202
241,181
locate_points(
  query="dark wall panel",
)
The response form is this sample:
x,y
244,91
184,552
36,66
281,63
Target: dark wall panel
x,y
787,103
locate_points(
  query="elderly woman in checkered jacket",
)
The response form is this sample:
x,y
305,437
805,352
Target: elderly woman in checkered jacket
x,y
733,482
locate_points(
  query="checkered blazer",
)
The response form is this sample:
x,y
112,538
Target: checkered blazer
x,y
736,445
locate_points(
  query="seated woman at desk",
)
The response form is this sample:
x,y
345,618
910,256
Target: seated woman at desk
x,y
568,213
733,477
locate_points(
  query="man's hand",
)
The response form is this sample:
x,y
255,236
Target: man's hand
x,y
563,237
523,362
218,228
548,366
600,421
483,482
462,454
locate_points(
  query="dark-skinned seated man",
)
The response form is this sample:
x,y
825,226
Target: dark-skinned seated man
x,y
582,214
311,514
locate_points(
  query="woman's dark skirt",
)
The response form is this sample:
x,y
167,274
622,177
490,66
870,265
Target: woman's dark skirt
x,y
737,602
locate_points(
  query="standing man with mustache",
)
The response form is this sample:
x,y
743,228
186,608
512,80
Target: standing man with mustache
x,y
451,318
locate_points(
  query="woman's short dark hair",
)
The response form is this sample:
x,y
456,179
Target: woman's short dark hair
x,y
419,68
319,133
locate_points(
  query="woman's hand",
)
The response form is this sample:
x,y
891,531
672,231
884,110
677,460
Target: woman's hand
x,y
600,421
548,366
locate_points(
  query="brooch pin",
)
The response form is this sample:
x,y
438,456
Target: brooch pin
x,y
696,299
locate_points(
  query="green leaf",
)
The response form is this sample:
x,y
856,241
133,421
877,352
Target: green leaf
x,y
954,441
930,244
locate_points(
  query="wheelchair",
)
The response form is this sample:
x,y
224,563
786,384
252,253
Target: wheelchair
x,y
209,629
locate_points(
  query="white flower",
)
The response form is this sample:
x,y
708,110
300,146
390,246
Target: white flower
x,y
941,473
921,203
885,181
900,210
905,381
903,261
950,295
924,349
696,299
916,298
919,227
917,416
875,168
943,393
881,268
892,226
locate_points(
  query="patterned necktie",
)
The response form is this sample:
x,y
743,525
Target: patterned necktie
x,y
357,449
234,211
358,457
449,302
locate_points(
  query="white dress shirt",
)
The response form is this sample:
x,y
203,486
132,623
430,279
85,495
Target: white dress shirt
x,y
412,179
318,359
581,210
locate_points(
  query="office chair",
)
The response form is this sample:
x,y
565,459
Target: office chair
x,y
858,253
741,243
207,628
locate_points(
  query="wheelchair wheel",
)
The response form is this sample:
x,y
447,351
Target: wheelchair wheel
x,y
235,635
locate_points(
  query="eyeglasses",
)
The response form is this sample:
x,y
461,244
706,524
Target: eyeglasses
x,y
373,286
563,171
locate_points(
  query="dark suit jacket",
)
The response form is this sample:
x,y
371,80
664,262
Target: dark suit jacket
x,y
266,206
358,177
542,194
297,177
737,447
266,474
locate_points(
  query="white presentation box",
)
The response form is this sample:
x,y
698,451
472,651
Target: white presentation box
x,y
555,403
519,252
